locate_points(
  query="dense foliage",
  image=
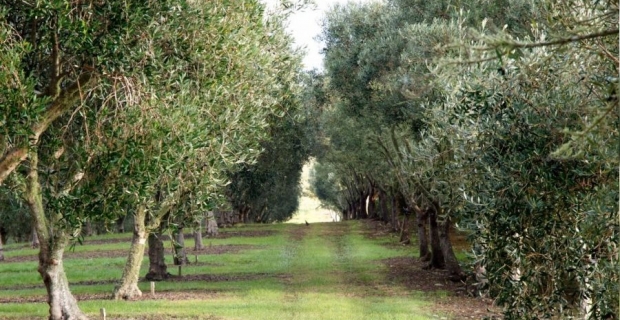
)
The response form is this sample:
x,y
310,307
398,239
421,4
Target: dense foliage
x,y
138,107
477,118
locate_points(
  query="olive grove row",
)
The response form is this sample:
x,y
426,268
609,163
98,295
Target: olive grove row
x,y
499,118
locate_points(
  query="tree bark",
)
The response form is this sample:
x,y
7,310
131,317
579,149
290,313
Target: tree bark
x,y
371,207
128,288
437,258
394,214
422,217
363,214
88,228
212,229
404,231
120,224
451,263
346,212
180,256
4,237
129,281
198,244
385,212
158,270
34,239
62,304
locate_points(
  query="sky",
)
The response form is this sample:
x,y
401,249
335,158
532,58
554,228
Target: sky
x,y
305,26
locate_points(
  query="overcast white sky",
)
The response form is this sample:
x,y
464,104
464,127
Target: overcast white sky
x,y
305,26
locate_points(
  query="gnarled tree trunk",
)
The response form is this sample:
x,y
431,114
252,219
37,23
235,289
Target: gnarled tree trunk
x,y
120,224
422,217
451,263
34,239
62,303
437,258
158,270
394,214
142,229
198,245
128,288
383,204
212,229
363,214
60,300
371,207
4,235
180,256
404,231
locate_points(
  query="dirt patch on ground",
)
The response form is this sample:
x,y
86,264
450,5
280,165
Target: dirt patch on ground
x,y
224,277
244,233
374,229
159,295
410,272
209,249
298,232
221,235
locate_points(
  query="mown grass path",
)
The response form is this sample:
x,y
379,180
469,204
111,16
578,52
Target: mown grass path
x,y
284,271
335,273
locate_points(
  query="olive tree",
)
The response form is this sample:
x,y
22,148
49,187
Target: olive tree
x,y
542,189
61,60
131,86
234,76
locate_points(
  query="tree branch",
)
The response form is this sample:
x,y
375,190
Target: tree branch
x,y
577,38
64,102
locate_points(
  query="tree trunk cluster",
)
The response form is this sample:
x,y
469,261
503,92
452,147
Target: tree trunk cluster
x,y
368,201
225,219
441,254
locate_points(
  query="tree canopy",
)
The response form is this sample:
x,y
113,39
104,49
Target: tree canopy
x,y
108,109
481,119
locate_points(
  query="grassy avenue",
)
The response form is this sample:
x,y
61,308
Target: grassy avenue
x,y
280,271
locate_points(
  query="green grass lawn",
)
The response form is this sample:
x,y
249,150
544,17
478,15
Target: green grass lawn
x,y
321,271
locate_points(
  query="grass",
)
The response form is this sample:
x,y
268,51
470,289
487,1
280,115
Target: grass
x,y
321,271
